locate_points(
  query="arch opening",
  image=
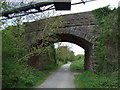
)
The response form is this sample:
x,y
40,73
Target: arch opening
x,y
70,53
87,46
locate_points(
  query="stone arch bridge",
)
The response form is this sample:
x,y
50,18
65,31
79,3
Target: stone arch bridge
x,y
78,30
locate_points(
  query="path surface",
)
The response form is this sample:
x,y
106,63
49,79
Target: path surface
x,y
61,78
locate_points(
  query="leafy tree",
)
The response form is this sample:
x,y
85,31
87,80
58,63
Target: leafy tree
x,y
101,13
64,54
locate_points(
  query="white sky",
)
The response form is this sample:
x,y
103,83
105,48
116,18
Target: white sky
x,y
73,47
81,8
89,6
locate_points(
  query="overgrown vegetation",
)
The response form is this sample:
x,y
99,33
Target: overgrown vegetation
x,y
91,80
16,73
106,73
64,54
107,44
78,64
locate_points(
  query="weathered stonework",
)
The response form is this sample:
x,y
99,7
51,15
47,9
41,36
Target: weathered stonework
x,y
79,30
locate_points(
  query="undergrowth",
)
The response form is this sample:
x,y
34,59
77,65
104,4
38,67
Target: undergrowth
x,y
91,80
78,64
105,74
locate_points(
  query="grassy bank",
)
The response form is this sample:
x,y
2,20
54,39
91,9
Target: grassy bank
x,y
91,80
22,77
26,77
78,64
45,74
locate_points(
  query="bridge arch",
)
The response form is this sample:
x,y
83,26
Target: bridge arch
x,y
79,31
79,38
80,42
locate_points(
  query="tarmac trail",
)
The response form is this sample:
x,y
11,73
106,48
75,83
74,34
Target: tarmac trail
x,y
61,78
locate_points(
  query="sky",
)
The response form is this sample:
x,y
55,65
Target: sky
x,y
77,9
73,47
90,6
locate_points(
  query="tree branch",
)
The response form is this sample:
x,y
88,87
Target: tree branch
x,y
33,6
25,8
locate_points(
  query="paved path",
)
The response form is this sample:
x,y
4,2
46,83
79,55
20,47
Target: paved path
x,y
61,78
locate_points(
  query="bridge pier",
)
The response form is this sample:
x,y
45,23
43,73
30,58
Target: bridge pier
x,y
93,58
86,60
89,62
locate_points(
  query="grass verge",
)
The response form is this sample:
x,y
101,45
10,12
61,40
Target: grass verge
x,y
77,65
26,77
91,80
46,74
